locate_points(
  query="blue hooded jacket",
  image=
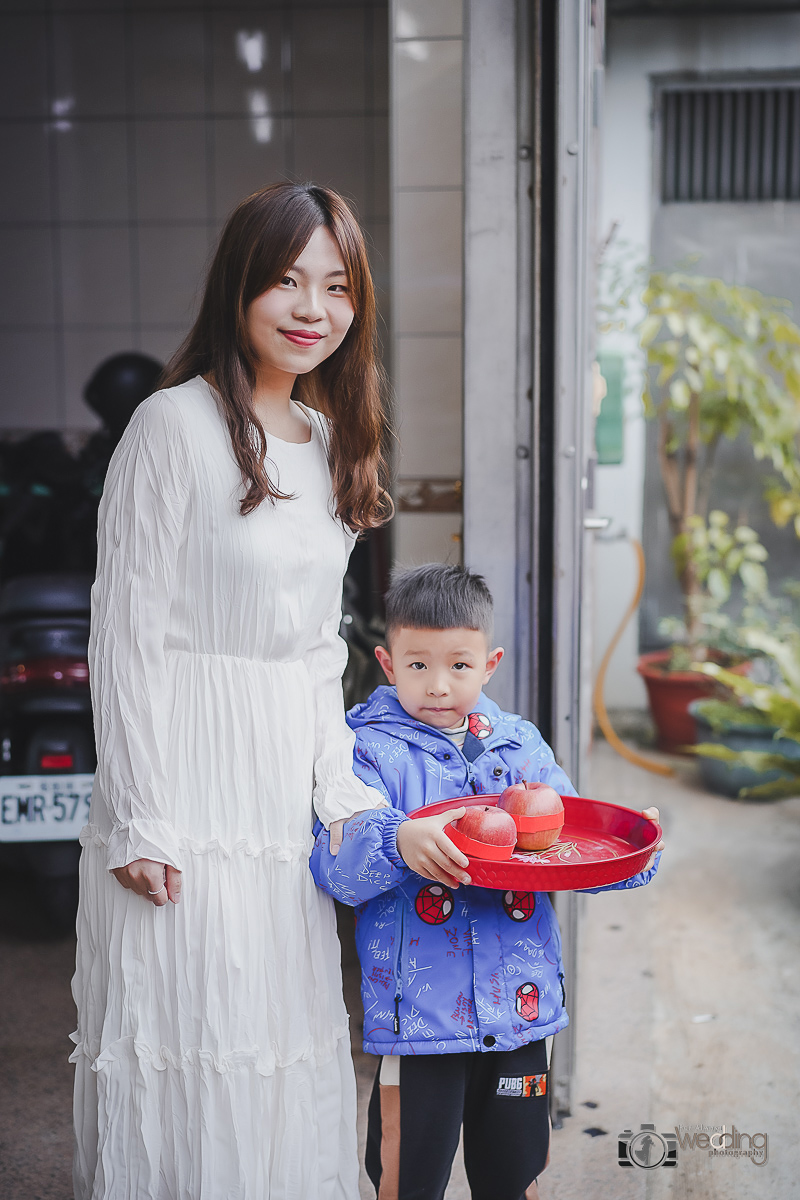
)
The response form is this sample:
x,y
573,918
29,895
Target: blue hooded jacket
x,y
445,970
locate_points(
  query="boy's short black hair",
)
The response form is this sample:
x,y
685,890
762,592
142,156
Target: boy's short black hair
x,y
438,596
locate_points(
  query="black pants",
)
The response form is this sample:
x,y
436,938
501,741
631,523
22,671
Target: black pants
x,y
499,1097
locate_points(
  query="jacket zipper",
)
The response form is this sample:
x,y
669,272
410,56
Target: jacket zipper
x,y
398,977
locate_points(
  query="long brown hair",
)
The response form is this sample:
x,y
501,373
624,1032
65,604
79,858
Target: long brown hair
x,y
261,241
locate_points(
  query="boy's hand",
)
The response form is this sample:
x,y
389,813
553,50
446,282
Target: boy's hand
x,y
652,815
424,846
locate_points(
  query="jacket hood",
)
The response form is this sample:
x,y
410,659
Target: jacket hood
x,y
382,709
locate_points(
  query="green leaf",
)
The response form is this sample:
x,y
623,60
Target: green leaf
x,y
762,760
698,331
754,577
718,585
756,760
734,560
784,650
721,714
679,393
649,328
712,750
721,541
743,533
779,788
693,379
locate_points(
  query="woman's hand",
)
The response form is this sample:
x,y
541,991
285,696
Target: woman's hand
x,y
153,880
337,830
424,846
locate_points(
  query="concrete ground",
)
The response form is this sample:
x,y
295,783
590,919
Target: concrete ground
x,y
687,1004
36,1018
687,1011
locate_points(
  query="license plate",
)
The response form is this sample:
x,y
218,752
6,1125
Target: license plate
x,y
43,808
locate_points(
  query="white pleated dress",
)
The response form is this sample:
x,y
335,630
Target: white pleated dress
x,y
212,1052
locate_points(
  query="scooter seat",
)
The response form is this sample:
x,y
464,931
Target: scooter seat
x,y
45,595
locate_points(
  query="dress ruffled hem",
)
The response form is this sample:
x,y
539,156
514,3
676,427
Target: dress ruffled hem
x,y
131,1051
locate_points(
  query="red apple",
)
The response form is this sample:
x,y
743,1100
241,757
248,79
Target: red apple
x,y
486,823
523,800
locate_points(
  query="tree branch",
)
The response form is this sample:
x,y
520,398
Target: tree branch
x,y
690,460
670,475
704,487
689,581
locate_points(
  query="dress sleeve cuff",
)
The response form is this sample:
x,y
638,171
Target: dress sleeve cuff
x,y
339,801
142,839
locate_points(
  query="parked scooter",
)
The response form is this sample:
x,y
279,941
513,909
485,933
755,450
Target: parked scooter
x,y
48,520
47,754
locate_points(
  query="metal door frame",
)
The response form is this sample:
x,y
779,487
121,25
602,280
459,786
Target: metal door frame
x,y
532,91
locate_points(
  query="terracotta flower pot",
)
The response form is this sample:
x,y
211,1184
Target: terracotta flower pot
x,y
670,693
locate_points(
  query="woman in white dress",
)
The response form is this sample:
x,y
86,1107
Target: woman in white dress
x,y
212,1053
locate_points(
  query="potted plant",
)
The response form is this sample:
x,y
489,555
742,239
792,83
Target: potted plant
x,y
753,750
721,360
718,557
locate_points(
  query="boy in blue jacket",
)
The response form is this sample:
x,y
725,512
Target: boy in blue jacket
x,y
461,985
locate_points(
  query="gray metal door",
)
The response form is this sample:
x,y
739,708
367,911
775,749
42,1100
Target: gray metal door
x,y
578,98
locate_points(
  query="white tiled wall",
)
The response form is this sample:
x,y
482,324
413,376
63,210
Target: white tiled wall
x,y
128,130
427,258
427,537
427,373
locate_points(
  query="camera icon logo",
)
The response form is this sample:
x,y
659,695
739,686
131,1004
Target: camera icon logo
x,y
647,1149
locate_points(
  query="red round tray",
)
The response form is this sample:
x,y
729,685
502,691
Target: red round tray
x,y
600,843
